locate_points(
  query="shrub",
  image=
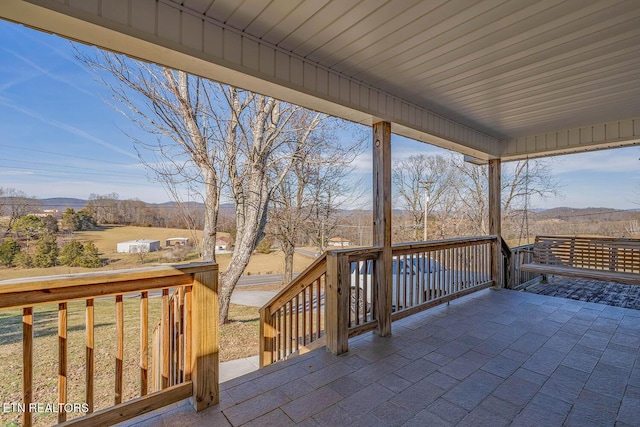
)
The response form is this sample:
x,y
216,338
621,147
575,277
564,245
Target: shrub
x,y
8,250
75,254
23,260
46,251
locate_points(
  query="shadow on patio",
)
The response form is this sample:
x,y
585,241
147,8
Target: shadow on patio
x,y
492,358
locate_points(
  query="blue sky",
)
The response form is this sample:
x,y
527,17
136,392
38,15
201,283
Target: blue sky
x,y
61,139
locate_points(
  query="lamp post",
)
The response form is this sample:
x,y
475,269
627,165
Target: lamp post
x,y
426,201
427,187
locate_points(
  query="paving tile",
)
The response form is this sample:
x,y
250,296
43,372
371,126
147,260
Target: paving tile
x,y
544,361
551,403
582,359
481,417
296,388
494,345
274,418
469,393
593,409
596,340
278,378
255,407
535,416
608,381
367,399
328,374
427,418
448,411
346,386
565,384
501,366
516,391
624,359
372,373
391,414
500,407
441,380
417,370
453,349
528,343
312,403
530,376
417,397
394,382
629,411
464,365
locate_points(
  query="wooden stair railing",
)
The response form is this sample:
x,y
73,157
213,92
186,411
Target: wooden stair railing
x,y
294,318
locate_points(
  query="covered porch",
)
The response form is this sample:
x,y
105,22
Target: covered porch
x,y
491,358
460,354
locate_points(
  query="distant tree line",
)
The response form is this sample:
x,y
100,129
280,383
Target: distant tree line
x,y
32,241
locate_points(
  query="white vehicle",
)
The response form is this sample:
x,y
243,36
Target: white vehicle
x,y
414,280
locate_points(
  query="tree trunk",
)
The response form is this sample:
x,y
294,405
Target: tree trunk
x,y
210,219
289,251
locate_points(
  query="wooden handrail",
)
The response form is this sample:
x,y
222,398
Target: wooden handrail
x,y
349,303
197,378
293,305
312,272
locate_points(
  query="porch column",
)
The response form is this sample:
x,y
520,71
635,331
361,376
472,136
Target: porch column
x,y
495,222
382,222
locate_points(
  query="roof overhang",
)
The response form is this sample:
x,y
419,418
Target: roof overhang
x,y
494,79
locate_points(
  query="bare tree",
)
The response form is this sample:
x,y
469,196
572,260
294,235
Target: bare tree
x,y
521,181
311,190
420,177
209,139
15,204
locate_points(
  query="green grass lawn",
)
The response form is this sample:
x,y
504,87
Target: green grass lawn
x,y
238,339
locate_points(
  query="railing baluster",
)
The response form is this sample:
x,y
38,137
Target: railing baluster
x,y
164,333
188,340
62,359
119,349
318,311
89,357
304,316
144,343
27,363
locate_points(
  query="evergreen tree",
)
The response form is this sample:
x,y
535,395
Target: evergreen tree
x,y
72,254
91,257
46,251
8,250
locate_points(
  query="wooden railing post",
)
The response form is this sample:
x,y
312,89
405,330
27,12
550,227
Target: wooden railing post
x,y
382,223
495,225
204,355
267,334
337,302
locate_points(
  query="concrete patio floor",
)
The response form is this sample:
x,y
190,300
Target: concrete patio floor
x,y
495,358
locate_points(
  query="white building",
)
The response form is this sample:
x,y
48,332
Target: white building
x,y
141,245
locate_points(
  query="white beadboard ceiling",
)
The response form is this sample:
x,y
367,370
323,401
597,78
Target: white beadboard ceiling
x,y
490,78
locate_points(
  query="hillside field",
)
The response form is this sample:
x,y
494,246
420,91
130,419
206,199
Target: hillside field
x,y
107,237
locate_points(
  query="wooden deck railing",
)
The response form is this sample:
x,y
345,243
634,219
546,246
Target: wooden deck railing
x,y
518,278
195,351
423,275
294,318
431,273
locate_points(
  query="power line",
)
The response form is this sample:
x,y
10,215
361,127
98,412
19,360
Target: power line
x,y
63,155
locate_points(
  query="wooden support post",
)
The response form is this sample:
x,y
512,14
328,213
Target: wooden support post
x,y
495,224
62,359
268,334
382,223
337,296
27,364
204,328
